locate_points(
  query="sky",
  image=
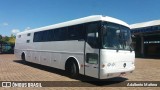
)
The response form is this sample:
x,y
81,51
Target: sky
x,y
19,15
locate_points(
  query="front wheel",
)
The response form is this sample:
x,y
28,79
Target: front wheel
x,y
72,69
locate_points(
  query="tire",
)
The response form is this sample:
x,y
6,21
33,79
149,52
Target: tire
x,y
23,57
72,69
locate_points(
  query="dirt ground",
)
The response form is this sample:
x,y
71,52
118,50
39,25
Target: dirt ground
x,y
12,69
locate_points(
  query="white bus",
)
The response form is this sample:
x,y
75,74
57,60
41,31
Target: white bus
x,y
96,46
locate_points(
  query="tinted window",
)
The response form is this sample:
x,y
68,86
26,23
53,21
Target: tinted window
x,y
38,36
71,33
50,35
44,36
60,34
76,32
92,58
158,27
80,31
92,34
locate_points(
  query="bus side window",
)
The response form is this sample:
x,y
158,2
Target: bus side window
x,y
76,32
50,35
36,37
44,36
56,34
72,33
60,34
39,36
92,35
80,32
92,58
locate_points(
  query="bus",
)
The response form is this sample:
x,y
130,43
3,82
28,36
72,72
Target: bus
x,y
97,46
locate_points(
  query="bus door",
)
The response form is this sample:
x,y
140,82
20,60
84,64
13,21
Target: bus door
x,y
92,51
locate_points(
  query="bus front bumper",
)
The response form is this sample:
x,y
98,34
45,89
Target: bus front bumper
x,y
111,73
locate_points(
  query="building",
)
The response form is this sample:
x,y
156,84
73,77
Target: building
x,y
146,38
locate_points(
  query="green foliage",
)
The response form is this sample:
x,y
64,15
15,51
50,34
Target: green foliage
x,y
0,37
7,40
11,40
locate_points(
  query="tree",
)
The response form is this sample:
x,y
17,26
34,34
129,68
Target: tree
x,y
11,41
0,37
7,41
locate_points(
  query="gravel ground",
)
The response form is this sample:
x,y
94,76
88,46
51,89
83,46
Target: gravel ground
x,y
12,69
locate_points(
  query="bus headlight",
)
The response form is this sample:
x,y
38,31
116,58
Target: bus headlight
x,y
109,64
113,64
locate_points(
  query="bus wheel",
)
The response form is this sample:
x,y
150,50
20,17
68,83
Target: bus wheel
x,y
72,69
23,57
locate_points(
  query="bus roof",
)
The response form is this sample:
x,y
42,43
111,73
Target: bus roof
x,y
78,21
145,24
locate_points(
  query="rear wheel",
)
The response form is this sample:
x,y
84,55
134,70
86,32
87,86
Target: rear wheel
x,y
23,57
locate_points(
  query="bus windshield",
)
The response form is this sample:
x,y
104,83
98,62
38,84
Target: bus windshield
x,y
116,37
